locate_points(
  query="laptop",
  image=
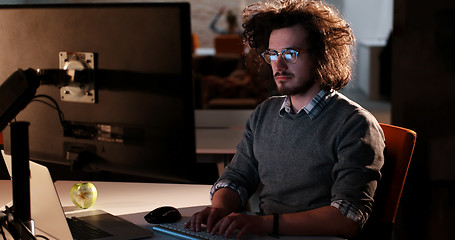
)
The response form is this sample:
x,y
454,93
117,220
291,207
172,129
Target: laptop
x,y
50,219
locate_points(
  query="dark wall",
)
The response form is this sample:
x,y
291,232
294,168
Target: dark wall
x,y
423,99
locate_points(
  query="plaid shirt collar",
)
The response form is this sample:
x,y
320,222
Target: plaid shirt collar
x,y
313,108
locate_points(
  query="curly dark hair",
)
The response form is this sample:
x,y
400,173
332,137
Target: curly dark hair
x,y
330,39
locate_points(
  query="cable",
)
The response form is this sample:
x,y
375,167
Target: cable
x,y
55,106
42,101
2,232
28,234
41,236
16,228
4,225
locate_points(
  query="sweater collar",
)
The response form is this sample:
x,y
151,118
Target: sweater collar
x,y
313,108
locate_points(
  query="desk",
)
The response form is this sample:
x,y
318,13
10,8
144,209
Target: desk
x,y
120,198
217,141
217,146
132,201
6,194
217,134
221,118
219,131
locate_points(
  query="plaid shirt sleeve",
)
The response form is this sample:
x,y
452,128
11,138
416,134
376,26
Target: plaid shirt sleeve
x,y
351,211
347,209
223,183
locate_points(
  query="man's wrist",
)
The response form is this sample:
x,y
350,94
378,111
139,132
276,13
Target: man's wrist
x,y
271,225
226,199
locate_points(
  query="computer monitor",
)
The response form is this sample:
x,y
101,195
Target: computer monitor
x,y
138,120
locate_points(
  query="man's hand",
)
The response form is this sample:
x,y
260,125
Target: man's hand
x,y
209,216
224,202
244,223
218,222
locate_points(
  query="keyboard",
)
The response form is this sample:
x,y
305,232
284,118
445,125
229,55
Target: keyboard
x,y
82,230
179,231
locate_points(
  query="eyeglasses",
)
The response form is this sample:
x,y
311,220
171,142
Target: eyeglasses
x,y
288,54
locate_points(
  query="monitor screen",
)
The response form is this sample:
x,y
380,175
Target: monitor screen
x,y
138,118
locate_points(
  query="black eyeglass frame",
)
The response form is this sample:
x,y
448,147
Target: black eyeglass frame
x,y
276,53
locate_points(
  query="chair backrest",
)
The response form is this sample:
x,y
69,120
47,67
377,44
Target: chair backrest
x,y
400,144
228,43
195,42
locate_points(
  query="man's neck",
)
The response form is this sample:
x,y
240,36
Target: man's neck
x,y
299,101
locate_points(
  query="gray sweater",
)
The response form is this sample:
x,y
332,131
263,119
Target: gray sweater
x,y
306,163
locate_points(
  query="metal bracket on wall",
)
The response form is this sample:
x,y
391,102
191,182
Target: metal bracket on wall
x,y
83,93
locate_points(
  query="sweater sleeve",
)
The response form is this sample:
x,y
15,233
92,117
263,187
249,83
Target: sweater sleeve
x,y
360,150
242,171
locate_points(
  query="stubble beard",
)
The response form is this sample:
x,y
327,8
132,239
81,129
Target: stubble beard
x,y
300,88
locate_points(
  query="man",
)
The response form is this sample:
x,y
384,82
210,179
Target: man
x,y
316,154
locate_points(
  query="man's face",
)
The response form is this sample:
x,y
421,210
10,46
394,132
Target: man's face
x,y
292,78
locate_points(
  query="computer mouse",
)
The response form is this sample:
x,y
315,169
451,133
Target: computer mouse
x,y
163,215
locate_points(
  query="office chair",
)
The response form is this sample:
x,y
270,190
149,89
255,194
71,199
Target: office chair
x,y
228,43
195,42
400,144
